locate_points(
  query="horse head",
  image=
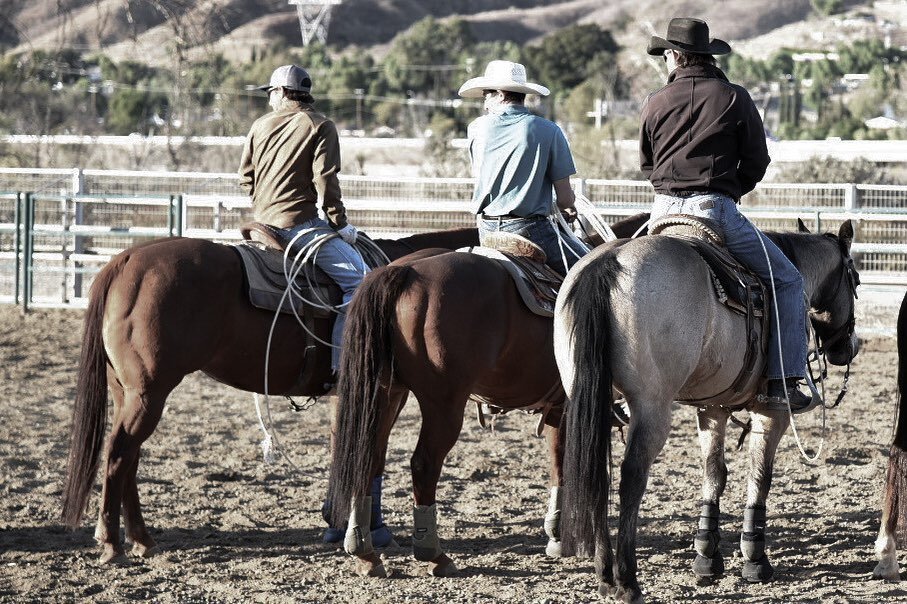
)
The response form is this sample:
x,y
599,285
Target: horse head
x,y
833,301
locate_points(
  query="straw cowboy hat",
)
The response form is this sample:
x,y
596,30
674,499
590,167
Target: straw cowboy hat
x,y
688,35
501,75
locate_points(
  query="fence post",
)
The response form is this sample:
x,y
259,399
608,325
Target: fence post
x,y
64,247
28,250
78,248
77,186
580,187
175,220
851,197
20,212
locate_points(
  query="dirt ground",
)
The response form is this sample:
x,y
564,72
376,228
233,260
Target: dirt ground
x,y
233,529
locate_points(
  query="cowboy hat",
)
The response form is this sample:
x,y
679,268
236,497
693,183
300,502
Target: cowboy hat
x,y
688,35
501,75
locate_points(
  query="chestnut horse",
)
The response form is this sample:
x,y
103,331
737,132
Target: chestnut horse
x,y
158,312
894,505
444,327
644,319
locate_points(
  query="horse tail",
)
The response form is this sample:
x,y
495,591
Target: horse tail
x,y
89,417
367,357
894,506
587,451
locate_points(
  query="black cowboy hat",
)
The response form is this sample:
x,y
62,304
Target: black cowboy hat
x,y
688,35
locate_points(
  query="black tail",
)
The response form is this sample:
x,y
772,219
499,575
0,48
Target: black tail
x,y
894,506
89,415
586,472
366,358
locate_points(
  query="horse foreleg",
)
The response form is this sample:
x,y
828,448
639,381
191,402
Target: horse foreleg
x,y
553,516
649,428
442,420
712,425
768,428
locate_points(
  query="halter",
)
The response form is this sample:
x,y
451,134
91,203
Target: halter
x,y
845,332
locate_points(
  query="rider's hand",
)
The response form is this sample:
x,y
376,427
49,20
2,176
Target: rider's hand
x,y
349,233
569,214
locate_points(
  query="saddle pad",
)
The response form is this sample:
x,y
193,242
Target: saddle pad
x,y
537,283
263,268
737,287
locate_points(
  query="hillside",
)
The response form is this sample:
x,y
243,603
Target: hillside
x,y
146,29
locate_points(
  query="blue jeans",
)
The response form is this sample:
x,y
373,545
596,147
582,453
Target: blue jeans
x,y
541,232
742,239
341,262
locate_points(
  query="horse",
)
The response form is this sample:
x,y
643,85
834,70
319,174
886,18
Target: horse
x,y
643,318
894,503
444,327
159,311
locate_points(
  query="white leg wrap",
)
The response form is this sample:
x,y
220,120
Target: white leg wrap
x,y
426,545
358,538
553,517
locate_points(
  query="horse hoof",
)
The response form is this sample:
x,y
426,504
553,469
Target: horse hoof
x,y
708,569
553,549
627,595
371,567
886,571
442,566
145,550
114,556
759,571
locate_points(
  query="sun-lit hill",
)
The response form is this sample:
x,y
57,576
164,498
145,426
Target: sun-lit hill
x,y
146,29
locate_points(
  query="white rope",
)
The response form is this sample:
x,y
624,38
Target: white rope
x,y
790,413
587,210
305,255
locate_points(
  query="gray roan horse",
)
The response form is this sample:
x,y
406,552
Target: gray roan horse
x,y
643,318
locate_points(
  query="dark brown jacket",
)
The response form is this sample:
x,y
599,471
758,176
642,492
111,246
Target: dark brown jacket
x,y
700,133
291,158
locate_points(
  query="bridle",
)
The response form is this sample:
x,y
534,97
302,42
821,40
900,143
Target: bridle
x,y
844,332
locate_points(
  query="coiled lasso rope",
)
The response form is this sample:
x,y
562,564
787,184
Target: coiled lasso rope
x,y
305,255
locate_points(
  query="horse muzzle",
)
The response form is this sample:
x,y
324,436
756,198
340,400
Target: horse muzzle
x,y
843,352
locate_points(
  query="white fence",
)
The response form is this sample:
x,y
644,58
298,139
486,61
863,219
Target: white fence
x,y
82,217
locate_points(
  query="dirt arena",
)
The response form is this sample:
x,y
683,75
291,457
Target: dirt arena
x,y
232,529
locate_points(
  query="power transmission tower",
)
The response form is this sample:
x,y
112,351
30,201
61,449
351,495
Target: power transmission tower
x,y
314,18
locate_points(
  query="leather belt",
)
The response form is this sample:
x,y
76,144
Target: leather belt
x,y
510,217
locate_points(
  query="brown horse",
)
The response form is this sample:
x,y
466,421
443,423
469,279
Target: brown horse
x,y
157,313
894,505
445,327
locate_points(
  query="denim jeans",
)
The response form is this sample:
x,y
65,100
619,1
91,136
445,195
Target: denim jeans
x,y
341,262
742,239
541,231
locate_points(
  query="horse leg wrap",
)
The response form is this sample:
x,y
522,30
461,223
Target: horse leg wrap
x,y
358,539
426,545
709,562
381,536
553,523
756,567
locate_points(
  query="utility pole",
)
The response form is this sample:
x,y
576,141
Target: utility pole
x,y
359,92
314,18
600,110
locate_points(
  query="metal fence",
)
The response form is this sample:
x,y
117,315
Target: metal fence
x,y
56,237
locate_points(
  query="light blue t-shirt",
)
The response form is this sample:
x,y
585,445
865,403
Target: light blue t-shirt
x,y
516,157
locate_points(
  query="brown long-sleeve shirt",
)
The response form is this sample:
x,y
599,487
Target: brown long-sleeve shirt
x,y
700,133
290,159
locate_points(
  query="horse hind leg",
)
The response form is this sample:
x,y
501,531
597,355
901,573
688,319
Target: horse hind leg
x,y
894,511
135,418
712,425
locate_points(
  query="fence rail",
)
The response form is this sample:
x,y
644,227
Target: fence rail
x,y
56,237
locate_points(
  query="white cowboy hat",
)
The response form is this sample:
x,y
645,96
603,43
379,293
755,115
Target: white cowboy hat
x,y
501,75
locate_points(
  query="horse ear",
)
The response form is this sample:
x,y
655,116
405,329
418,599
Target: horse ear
x,y
845,235
801,226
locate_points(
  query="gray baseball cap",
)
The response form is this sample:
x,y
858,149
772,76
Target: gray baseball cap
x,y
290,77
